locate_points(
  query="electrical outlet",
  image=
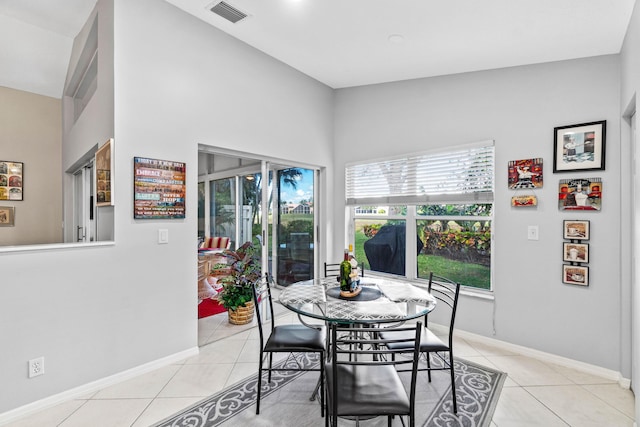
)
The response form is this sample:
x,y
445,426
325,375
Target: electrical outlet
x,y
36,367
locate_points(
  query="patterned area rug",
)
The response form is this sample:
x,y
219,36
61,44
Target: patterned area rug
x,y
286,402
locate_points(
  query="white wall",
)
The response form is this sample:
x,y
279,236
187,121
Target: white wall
x,y
518,108
630,84
178,82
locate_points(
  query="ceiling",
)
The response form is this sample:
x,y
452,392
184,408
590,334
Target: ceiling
x,y
343,43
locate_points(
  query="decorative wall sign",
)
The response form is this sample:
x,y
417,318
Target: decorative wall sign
x,y
579,147
159,189
575,275
525,173
576,230
7,216
522,201
11,180
575,252
104,169
580,194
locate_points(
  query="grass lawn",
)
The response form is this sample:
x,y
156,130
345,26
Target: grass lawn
x,y
467,274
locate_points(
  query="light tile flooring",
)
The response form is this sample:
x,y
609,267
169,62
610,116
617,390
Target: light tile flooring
x,y
534,394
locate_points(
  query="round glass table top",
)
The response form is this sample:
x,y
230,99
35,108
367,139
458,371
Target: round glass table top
x,y
380,300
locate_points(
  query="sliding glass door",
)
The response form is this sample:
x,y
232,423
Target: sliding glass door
x,y
269,204
295,224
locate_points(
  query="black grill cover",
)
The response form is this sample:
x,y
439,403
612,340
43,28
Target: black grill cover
x,y
385,251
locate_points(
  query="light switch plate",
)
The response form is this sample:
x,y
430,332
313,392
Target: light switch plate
x,y
532,232
163,235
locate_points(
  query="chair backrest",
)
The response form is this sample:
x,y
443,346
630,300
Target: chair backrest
x,y
260,292
364,346
446,291
333,269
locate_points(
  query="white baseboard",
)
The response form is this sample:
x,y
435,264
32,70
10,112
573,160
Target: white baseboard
x,y
551,358
93,386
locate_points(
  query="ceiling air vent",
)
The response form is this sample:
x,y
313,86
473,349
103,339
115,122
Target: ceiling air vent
x,y
228,12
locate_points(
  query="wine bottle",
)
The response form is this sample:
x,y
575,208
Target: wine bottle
x,y
345,273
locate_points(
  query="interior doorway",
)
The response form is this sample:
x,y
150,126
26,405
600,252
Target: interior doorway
x,y
84,225
269,203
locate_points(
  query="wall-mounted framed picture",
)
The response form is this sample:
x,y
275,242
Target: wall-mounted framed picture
x,y
159,189
11,180
525,173
574,229
104,171
7,216
575,252
575,275
580,194
579,147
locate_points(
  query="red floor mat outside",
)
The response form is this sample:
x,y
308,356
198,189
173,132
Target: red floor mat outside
x,y
209,307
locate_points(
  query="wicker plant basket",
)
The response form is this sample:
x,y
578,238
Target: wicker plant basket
x,y
242,315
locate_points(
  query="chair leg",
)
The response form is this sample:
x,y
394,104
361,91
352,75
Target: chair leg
x,y
322,367
326,409
453,383
270,365
429,366
259,385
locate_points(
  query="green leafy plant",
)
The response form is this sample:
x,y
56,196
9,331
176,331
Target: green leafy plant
x,y
243,272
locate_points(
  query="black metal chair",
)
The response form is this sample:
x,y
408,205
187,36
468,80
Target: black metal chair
x,y
362,379
446,292
333,269
295,339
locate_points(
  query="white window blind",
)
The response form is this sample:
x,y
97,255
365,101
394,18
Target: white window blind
x,y
458,175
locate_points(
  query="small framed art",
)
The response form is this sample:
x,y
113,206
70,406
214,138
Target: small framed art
x,y
575,252
575,275
576,229
11,180
525,173
7,216
579,147
104,170
580,194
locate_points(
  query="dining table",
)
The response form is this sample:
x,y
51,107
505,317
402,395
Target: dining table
x,y
380,300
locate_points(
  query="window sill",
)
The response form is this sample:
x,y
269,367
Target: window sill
x,y
477,293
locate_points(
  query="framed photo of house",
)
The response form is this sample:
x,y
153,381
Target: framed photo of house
x,y
575,229
579,147
575,275
575,252
7,216
11,180
104,170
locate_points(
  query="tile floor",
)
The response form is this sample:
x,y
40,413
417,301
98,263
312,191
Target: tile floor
x,y
534,394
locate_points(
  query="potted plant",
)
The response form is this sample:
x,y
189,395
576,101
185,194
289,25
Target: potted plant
x,y
242,272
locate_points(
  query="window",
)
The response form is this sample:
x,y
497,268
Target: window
x,y
427,212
